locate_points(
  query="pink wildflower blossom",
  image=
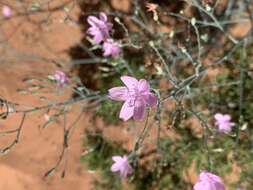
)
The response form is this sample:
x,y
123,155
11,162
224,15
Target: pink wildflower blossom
x,y
223,122
136,96
209,181
99,28
151,7
122,166
61,78
111,48
6,11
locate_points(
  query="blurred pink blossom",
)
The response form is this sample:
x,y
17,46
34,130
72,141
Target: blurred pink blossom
x,y
223,122
151,7
122,166
111,48
136,96
99,28
6,11
209,181
61,78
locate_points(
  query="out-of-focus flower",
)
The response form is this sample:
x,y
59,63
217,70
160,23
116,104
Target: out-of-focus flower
x,y
61,78
6,11
111,48
99,28
122,166
209,181
136,96
208,1
223,122
151,7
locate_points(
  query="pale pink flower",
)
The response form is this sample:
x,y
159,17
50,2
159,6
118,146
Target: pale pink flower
x,y
207,1
61,78
151,7
122,166
136,96
99,28
6,11
209,181
223,122
111,48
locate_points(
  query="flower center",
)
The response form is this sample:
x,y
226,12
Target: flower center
x,y
134,95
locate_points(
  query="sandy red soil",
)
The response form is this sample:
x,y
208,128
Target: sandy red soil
x,y
38,149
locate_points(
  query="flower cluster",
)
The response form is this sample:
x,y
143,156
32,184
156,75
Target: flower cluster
x,y
100,30
137,96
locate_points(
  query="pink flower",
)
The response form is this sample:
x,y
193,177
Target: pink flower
x,y
61,78
99,28
6,11
151,7
223,122
122,166
209,181
111,48
136,96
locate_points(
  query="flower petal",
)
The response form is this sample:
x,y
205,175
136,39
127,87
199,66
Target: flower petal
x,y
139,109
143,85
207,175
226,117
232,124
150,99
209,181
126,111
92,20
218,116
109,26
130,82
199,186
224,128
118,93
125,169
219,186
98,38
103,16
123,172
115,167
111,48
